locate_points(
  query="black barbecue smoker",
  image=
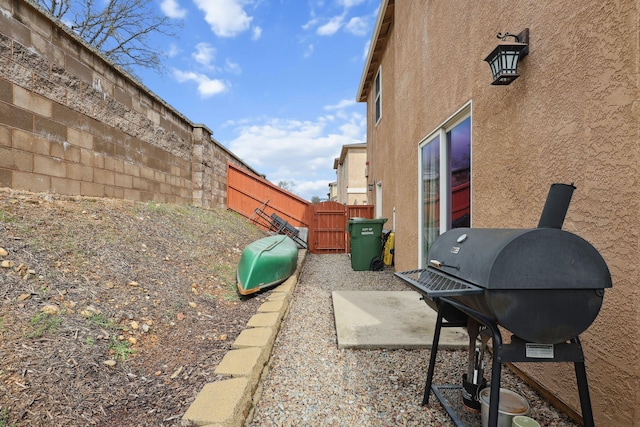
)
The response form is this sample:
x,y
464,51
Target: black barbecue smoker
x,y
544,285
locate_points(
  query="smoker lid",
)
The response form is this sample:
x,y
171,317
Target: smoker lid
x,y
539,258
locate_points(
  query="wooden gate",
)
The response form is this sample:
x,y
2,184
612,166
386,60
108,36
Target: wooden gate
x,y
327,228
328,223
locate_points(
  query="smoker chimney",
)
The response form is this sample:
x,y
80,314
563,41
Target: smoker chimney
x,y
556,206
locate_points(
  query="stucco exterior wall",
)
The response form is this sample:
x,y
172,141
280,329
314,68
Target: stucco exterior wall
x,y
72,123
357,191
572,116
351,182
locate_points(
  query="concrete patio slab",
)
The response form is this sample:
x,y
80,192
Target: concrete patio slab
x,y
389,319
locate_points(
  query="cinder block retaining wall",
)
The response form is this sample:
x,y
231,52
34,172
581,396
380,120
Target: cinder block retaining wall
x,y
72,123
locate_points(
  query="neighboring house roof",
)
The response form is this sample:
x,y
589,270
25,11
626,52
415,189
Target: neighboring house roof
x,y
345,150
379,41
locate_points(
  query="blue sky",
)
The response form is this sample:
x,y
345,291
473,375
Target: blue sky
x,y
275,80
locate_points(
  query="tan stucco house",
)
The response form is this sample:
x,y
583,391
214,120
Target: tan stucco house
x,y
332,195
351,182
570,117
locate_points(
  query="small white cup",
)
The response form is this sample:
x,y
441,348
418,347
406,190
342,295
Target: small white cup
x,y
523,421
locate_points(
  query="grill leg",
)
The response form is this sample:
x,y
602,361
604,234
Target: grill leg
x,y
473,329
432,359
583,390
495,376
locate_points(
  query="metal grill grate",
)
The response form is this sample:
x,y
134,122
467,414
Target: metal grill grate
x,y
435,284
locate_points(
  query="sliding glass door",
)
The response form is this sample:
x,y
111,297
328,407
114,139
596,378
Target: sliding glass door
x,y
445,178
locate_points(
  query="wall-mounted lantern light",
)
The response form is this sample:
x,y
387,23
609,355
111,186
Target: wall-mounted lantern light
x,y
370,187
503,60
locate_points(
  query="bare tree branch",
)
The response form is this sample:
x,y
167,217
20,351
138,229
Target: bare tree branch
x,y
120,29
57,8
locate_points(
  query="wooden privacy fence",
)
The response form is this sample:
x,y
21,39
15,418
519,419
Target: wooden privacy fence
x,y
256,198
246,192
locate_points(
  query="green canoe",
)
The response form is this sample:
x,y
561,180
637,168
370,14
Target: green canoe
x,y
266,262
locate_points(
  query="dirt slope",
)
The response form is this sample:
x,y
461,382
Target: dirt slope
x,y
114,313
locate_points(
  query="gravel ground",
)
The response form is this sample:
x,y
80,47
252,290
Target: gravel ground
x,y
311,382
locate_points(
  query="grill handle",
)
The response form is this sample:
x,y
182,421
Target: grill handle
x,y
556,206
438,264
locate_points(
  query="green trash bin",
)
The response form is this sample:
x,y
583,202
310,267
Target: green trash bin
x,y
366,242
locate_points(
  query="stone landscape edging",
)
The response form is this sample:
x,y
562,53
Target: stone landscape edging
x,y
228,402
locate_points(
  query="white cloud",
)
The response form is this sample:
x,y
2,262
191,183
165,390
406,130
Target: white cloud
x,y
357,26
347,4
207,87
204,54
232,67
345,103
312,23
227,18
301,152
331,27
318,188
308,51
256,33
365,53
173,50
172,9
352,129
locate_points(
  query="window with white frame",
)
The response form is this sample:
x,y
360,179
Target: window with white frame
x,y
445,180
378,95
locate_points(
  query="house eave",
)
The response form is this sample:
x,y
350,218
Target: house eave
x,y
378,42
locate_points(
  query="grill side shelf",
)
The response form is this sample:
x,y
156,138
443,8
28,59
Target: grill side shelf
x,y
436,284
